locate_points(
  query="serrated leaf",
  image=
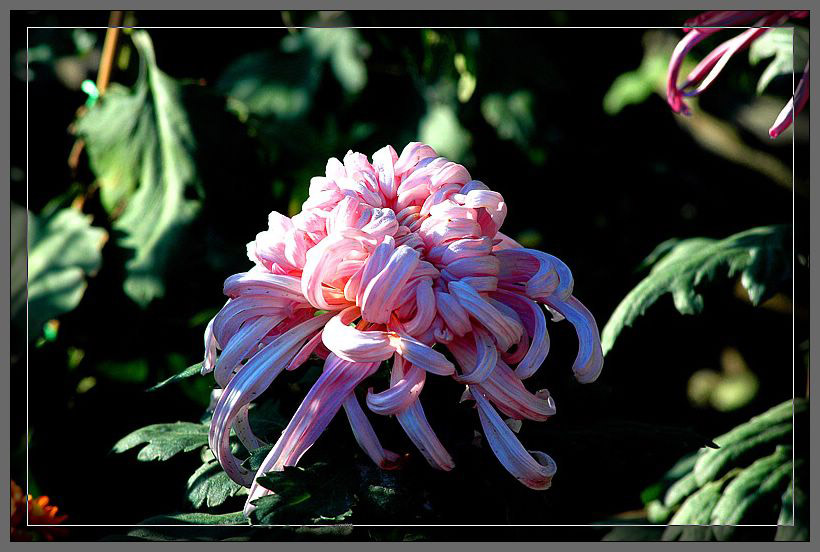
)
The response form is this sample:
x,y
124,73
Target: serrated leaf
x,y
793,527
162,441
776,415
316,494
141,148
189,372
760,254
764,477
789,47
211,486
64,249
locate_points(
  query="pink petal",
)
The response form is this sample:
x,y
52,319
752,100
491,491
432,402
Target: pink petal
x,y
506,331
354,345
400,394
322,402
366,436
417,428
590,357
533,470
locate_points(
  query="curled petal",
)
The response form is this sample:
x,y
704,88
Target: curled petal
x,y
384,161
511,397
794,106
354,345
411,155
248,383
382,291
506,331
536,324
241,346
453,314
242,427
425,308
366,436
533,470
399,396
417,428
481,359
322,402
590,357
211,345
421,355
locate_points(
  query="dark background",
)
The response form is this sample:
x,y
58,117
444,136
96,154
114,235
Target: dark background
x,y
598,191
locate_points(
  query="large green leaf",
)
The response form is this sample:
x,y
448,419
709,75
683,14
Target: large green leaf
x,y
743,481
510,115
162,441
789,48
64,249
141,148
316,494
211,486
760,255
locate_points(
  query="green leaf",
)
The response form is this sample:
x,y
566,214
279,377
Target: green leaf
x,y
441,129
141,148
64,249
162,441
316,494
511,115
197,518
765,476
634,87
270,83
210,485
759,254
789,48
345,50
697,509
189,372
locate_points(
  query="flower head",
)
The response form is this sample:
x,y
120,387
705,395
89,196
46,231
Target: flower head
x,y
40,513
699,79
398,259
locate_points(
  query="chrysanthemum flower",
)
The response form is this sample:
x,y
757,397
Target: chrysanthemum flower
x,y
398,259
40,512
699,79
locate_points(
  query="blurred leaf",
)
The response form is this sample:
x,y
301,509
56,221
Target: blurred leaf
x,y
63,250
634,87
132,371
790,48
141,148
272,83
164,440
189,372
210,485
345,50
441,129
760,254
511,115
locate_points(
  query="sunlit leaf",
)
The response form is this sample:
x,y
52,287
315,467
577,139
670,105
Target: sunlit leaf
x,y
760,255
441,129
141,148
64,249
162,441
749,476
789,48
189,372
211,486
345,50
